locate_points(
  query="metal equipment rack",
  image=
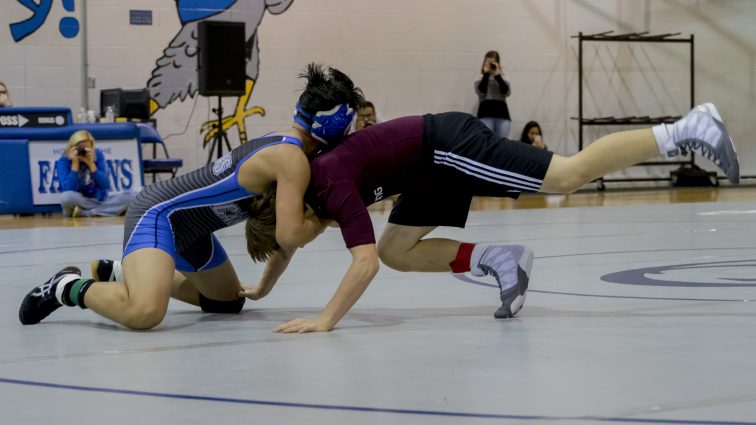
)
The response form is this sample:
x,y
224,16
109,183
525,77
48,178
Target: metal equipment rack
x,y
583,122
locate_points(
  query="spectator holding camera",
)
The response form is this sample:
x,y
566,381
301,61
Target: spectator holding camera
x,y
493,89
84,180
5,101
532,135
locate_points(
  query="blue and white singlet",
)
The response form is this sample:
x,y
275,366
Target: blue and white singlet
x,y
180,215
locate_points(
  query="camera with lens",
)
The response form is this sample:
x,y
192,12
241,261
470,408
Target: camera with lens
x,y
493,66
81,151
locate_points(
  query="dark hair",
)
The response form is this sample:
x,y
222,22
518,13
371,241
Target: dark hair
x,y
260,229
524,138
326,88
490,54
367,104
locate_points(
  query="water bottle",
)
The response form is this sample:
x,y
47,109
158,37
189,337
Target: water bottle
x,y
82,116
109,114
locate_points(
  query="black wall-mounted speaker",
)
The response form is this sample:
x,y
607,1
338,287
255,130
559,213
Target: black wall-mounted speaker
x,y
222,61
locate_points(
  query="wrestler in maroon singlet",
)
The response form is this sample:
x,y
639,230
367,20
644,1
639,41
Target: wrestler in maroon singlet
x,y
437,162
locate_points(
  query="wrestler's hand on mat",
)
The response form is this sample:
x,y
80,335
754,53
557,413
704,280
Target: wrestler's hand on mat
x,y
303,326
253,292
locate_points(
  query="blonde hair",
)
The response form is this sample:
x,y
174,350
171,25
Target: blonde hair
x,y
260,230
7,95
80,136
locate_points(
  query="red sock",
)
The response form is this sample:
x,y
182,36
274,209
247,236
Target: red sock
x,y
461,264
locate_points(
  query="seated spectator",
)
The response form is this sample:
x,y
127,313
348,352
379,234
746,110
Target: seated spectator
x,y
366,116
532,135
5,101
84,180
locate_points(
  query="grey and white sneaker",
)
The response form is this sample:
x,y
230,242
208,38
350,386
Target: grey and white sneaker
x,y
106,270
701,131
510,265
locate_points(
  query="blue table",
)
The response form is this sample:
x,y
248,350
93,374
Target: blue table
x,y
28,182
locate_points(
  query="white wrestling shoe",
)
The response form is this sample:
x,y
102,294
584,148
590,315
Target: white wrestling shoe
x,y
701,131
511,266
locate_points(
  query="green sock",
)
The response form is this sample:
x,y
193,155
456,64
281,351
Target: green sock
x,y
76,290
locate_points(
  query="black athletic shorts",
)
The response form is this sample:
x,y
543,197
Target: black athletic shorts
x,y
463,158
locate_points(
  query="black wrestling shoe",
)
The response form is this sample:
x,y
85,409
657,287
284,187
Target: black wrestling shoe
x,y
42,301
106,270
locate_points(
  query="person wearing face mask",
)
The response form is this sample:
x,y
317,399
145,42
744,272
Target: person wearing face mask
x,y
492,89
84,180
532,135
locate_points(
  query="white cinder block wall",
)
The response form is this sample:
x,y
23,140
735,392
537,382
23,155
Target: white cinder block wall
x,y
418,56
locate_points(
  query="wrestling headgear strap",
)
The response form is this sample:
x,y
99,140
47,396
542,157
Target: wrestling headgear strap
x,y
328,127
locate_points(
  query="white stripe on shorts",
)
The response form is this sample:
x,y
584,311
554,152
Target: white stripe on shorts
x,y
487,172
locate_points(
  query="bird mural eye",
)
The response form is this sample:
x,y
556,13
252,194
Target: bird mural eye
x,y
175,78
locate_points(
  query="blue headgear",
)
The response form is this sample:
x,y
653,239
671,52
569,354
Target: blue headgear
x,y
329,127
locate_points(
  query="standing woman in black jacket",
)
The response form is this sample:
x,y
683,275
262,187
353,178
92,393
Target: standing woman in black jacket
x,y
493,89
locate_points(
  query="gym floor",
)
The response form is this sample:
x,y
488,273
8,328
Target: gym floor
x,y
639,311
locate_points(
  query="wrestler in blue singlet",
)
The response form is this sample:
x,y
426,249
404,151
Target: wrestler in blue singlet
x,y
180,215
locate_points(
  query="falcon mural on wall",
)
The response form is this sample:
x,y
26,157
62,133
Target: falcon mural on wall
x,y
175,76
